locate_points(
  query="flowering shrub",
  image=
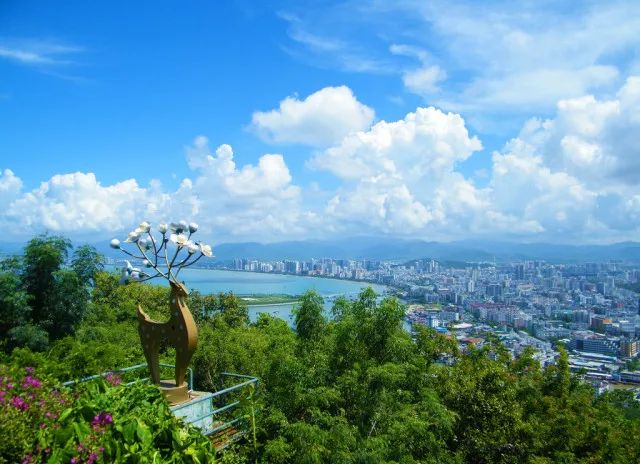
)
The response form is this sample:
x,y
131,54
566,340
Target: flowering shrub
x,y
100,421
27,408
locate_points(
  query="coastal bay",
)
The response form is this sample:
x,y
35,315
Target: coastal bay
x,y
257,284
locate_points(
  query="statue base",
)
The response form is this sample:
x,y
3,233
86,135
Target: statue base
x,y
174,395
198,411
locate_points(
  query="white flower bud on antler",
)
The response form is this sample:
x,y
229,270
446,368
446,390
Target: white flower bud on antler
x,y
179,239
178,227
133,236
206,250
180,233
144,226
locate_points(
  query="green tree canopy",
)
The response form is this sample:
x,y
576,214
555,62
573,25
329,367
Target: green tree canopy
x,y
309,316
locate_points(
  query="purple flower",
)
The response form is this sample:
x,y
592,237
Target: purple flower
x,y
28,459
113,379
93,457
30,381
74,461
29,370
104,418
19,403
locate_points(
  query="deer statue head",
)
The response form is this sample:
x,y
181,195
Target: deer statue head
x,y
179,289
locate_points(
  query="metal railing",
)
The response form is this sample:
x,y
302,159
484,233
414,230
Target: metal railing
x,y
71,383
218,428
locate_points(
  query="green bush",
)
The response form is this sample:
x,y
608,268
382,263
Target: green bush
x,y
99,421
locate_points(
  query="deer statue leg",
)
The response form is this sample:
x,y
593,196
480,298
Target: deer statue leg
x,y
183,355
153,361
151,350
181,364
184,332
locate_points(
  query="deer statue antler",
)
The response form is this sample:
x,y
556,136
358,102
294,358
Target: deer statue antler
x,y
152,254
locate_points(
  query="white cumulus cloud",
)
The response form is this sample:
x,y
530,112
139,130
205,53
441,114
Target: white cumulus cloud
x,y
577,173
424,80
571,177
228,202
76,203
425,142
10,186
321,119
399,177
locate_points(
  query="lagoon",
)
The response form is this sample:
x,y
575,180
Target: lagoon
x,y
254,283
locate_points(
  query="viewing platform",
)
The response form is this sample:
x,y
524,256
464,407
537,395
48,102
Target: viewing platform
x,y
219,415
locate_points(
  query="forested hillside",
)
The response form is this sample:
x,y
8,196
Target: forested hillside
x,y
353,389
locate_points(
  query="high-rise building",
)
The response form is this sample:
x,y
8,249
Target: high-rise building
x,y
494,290
592,269
629,348
292,267
600,322
581,316
602,288
594,343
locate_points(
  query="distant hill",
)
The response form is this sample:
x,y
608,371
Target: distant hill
x,y
404,249
389,248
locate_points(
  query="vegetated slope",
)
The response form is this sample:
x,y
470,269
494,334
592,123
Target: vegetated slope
x,y
354,389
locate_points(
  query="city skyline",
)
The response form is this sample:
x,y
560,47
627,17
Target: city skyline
x,y
287,121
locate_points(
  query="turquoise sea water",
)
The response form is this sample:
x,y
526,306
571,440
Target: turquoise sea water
x,y
254,283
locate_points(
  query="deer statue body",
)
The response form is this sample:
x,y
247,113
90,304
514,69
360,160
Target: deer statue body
x,y
179,331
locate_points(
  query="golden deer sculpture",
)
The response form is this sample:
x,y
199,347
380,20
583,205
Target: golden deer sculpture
x,y
180,330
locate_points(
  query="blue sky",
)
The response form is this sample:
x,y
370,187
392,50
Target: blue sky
x,y
277,120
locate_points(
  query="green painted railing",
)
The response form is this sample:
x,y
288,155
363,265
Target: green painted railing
x,y
124,370
219,428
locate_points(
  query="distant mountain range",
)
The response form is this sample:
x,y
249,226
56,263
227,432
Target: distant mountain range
x,y
389,248
404,249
